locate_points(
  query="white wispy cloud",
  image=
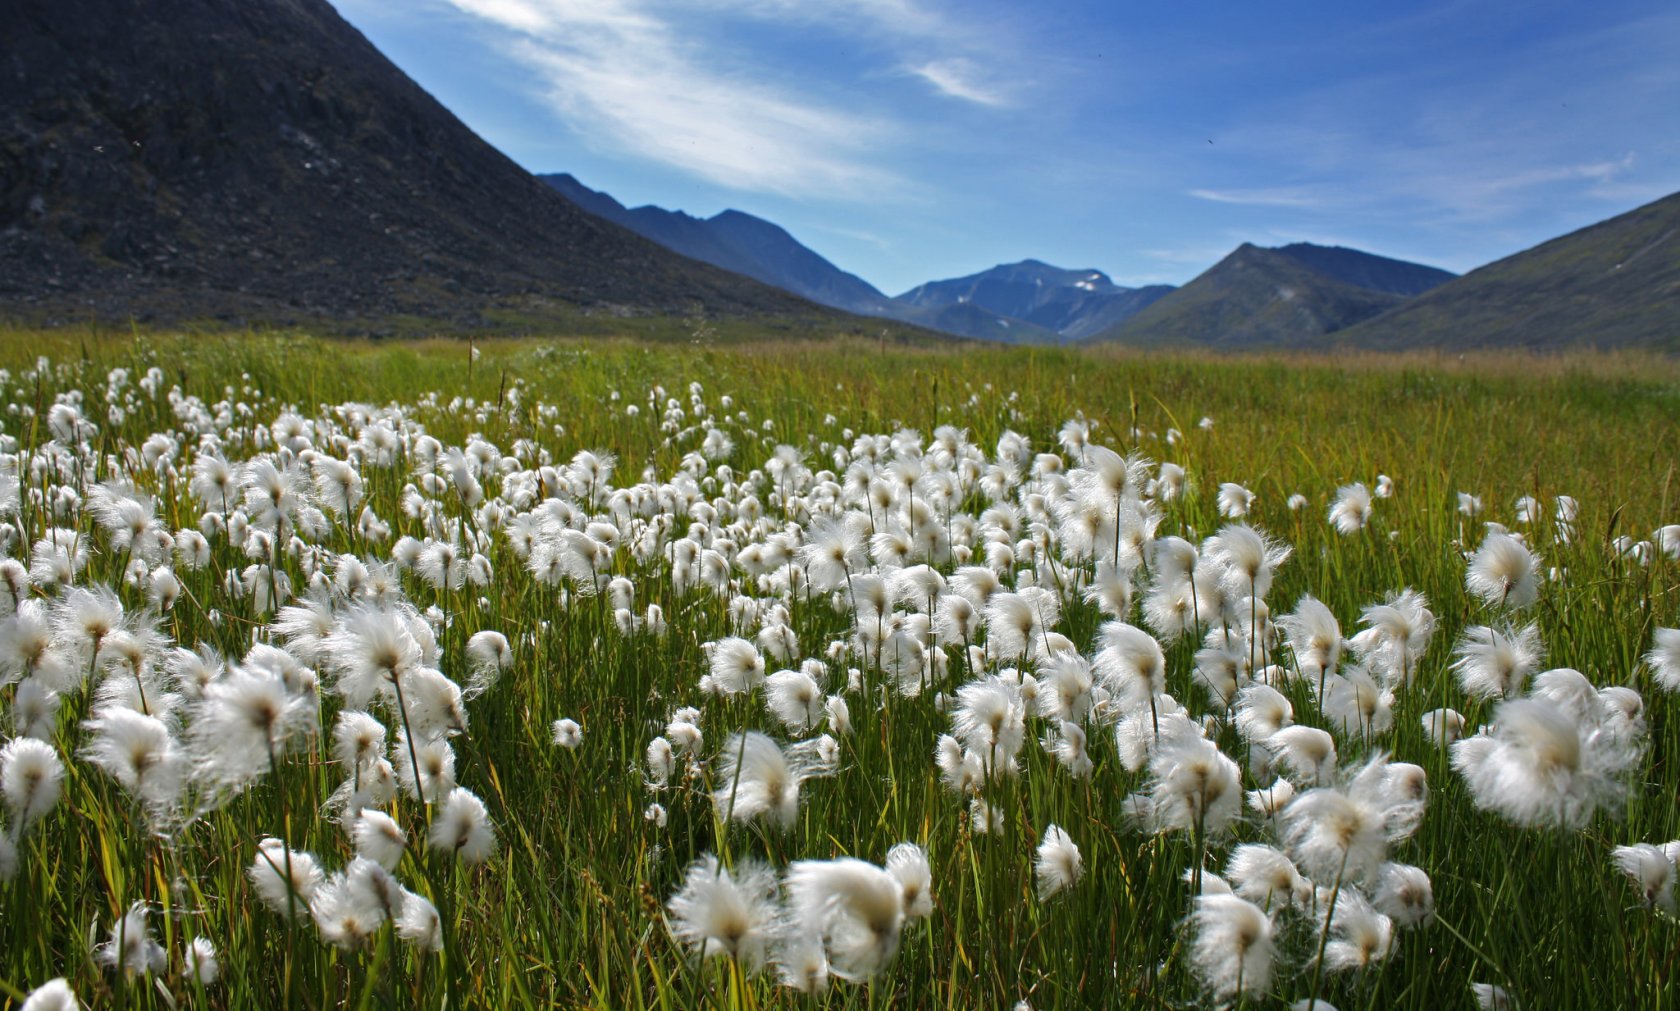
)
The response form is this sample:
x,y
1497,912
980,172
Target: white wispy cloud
x,y
959,77
626,78
1264,197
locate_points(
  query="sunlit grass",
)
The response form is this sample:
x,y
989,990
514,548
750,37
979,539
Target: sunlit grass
x,y
570,910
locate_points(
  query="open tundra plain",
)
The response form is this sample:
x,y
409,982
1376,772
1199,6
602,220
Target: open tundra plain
x,y
623,676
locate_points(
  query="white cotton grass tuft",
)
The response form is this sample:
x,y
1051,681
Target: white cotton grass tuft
x,y
139,752
1495,663
1267,877
353,903
661,762
433,761
1359,935
1404,894
839,715
1315,638
1269,801
795,698
130,948
1342,833
1234,500
1129,664
758,778
31,777
1309,753
1504,573
285,879
801,963
1443,726
1059,865
1065,682
379,838
1071,746
908,863
1352,509
1145,731
1396,635
371,650
1250,559
488,656
567,733
1539,766
1664,659
53,995
1233,951
461,826
200,961
1357,704
1193,787
1491,997
1262,711
418,923
854,908
1650,870
246,722
990,721
726,912
736,667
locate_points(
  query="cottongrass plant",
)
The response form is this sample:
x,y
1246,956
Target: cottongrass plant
x,y
295,696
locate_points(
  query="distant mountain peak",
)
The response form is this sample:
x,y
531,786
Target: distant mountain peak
x,y
1073,304
736,241
1278,297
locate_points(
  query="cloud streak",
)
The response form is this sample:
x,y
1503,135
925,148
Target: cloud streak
x,y
1302,197
960,78
627,79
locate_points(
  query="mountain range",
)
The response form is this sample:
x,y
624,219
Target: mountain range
x,y
259,161
1019,303
245,160
1254,297
1613,284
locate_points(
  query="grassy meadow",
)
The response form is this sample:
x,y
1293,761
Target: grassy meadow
x,y
571,905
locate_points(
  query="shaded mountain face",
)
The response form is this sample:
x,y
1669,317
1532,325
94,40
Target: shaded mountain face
x,y
1070,303
737,242
1256,298
1610,285
1366,270
260,160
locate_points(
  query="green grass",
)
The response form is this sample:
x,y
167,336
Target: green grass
x,y
569,912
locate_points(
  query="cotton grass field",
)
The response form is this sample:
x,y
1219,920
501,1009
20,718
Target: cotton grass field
x,y
835,676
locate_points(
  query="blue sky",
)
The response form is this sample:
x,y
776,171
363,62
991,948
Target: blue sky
x,y
909,140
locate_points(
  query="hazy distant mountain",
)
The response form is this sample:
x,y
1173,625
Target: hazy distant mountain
x,y
1613,284
261,160
969,320
738,242
1070,303
1285,297
759,249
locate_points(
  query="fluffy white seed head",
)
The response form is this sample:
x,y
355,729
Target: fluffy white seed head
x,y
462,826
1504,573
1651,872
854,907
1059,865
1233,950
723,912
